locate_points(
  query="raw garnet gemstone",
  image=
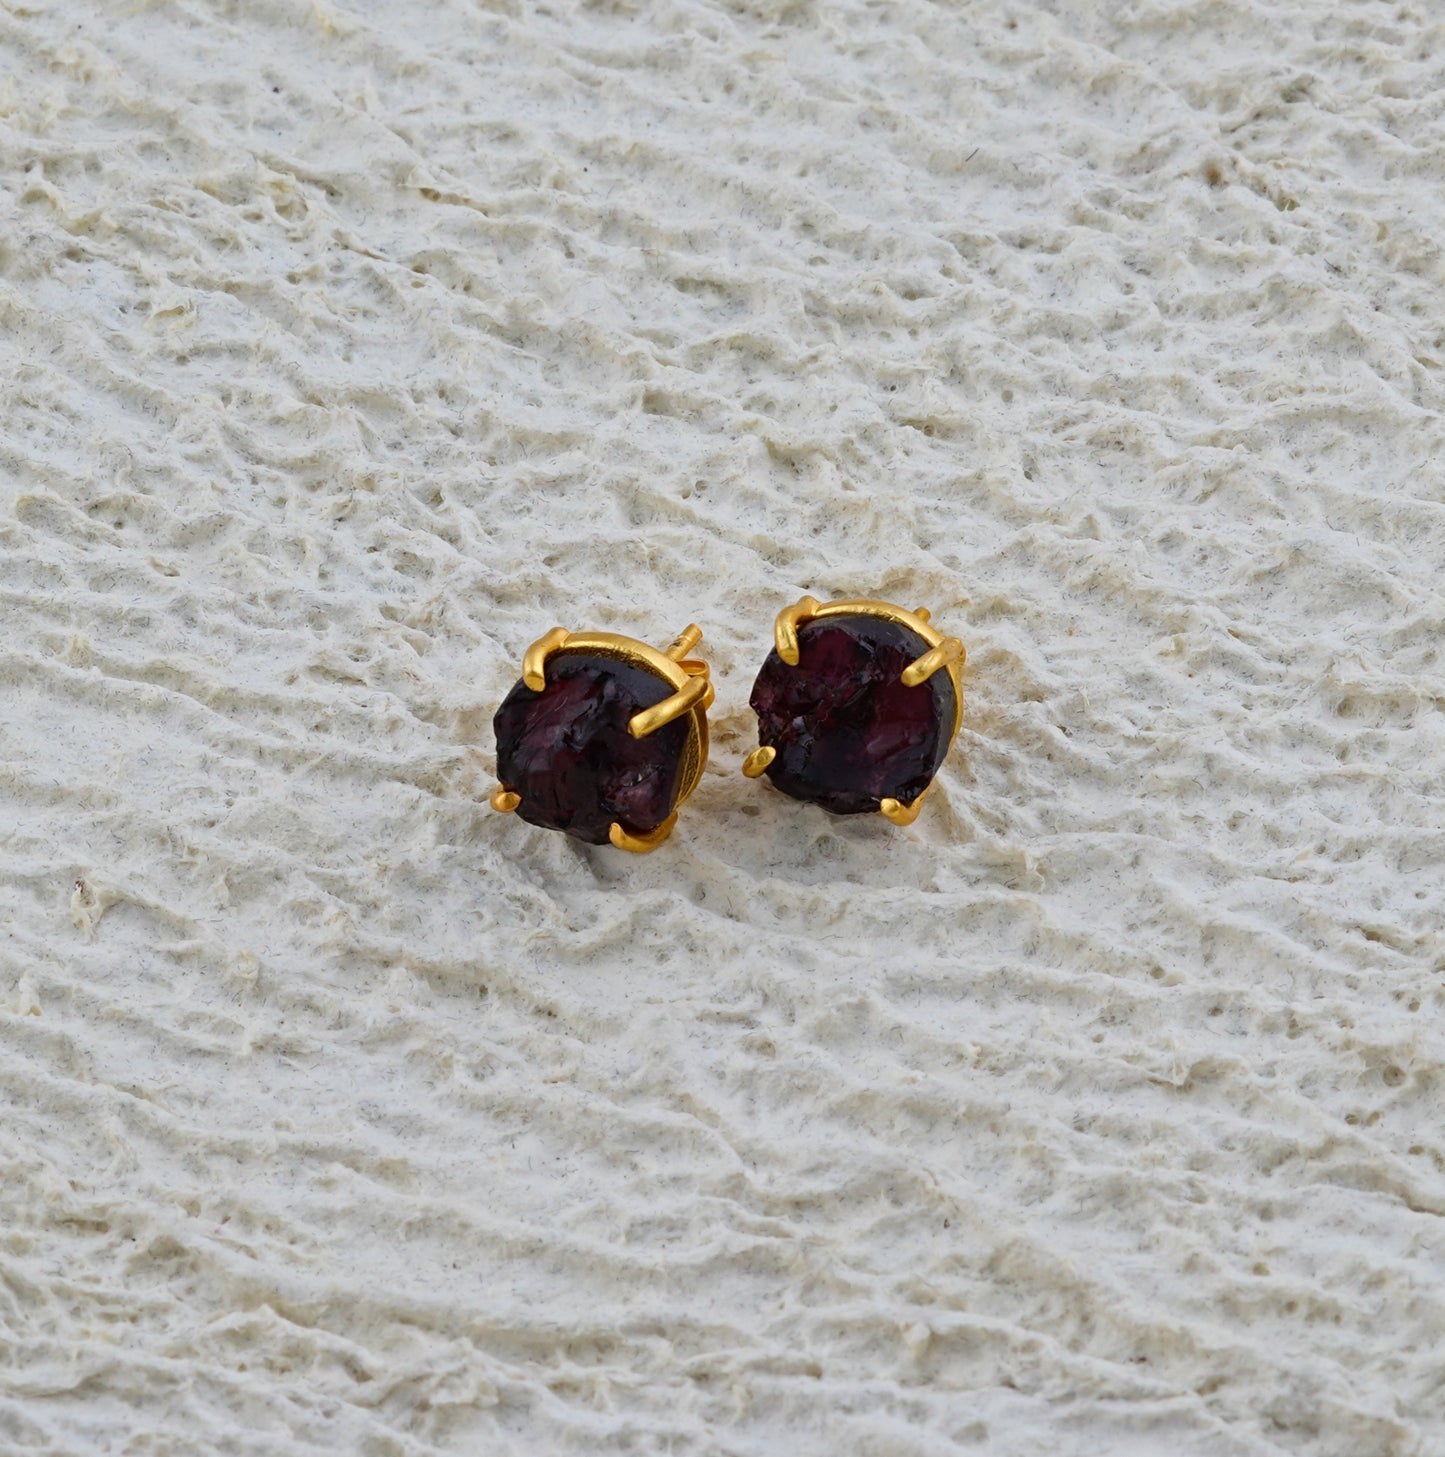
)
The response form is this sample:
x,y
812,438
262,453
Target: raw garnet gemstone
x,y
567,752
847,732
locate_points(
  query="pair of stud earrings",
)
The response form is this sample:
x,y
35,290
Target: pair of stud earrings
x,y
603,737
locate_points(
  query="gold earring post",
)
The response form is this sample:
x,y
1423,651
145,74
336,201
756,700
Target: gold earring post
x,y
683,643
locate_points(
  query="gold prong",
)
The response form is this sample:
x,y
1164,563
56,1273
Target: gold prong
x,y
683,643
786,625
950,650
641,844
756,763
504,800
923,614
903,814
649,720
534,660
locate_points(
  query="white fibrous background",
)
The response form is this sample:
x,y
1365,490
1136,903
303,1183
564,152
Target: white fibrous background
x,y
345,348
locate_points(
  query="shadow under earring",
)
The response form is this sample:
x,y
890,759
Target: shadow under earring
x,y
857,705
604,736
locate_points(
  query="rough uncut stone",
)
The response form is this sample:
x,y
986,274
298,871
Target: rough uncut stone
x,y
847,732
567,752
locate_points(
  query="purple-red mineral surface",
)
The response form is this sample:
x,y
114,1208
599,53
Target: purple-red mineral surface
x,y
567,751
848,734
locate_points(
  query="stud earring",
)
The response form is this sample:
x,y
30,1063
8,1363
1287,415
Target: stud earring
x,y
857,706
604,736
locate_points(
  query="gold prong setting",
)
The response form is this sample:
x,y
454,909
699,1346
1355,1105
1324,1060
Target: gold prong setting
x,y
786,625
921,669
756,763
534,661
550,777
811,727
641,844
898,813
649,720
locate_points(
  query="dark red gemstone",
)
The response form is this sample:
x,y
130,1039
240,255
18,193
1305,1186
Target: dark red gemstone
x,y
567,752
847,732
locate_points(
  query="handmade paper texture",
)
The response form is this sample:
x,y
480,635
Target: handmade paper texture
x,y
347,348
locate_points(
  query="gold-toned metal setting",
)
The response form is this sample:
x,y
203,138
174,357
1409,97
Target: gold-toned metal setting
x,y
649,720
786,625
944,653
899,813
641,844
810,610
920,670
692,696
534,661
684,642
756,763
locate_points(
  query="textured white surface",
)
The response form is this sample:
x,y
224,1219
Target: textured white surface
x,y
347,348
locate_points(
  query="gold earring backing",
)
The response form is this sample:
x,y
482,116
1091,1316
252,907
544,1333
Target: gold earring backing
x,y
603,737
